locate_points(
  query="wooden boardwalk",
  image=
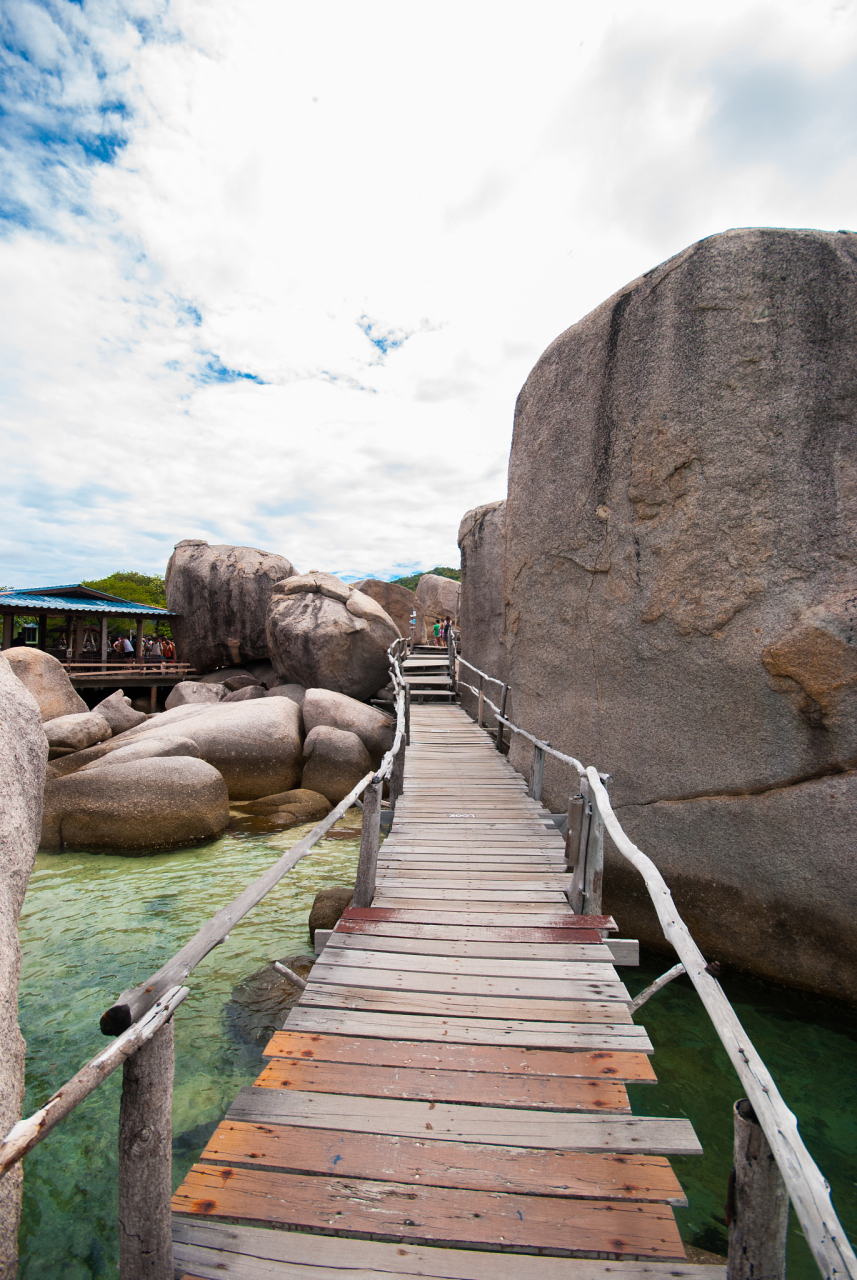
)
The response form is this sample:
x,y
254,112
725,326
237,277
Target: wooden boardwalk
x,y
448,1097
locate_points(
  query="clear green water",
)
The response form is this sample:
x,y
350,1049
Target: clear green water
x,y
810,1047
94,925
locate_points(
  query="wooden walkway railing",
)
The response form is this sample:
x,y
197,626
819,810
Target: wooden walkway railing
x,y
590,812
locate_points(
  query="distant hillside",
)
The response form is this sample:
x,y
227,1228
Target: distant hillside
x,y
443,571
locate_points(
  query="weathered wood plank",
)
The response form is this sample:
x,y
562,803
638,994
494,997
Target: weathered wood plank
x,y
332,995
503,1126
375,939
478,1166
492,968
548,1224
214,1251
485,932
546,1093
402,1026
634,1067
425,980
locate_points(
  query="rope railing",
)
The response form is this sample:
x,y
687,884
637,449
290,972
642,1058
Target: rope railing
x,y
141,1013
807,1188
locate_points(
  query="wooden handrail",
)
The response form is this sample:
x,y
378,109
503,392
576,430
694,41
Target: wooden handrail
x,y
807,1186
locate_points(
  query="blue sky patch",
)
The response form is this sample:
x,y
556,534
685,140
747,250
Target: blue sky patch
x,y
214,370
384,337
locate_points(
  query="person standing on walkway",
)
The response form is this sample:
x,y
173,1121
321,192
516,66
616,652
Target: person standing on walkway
x,y
437,632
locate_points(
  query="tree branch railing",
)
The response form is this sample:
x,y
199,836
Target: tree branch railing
x,y
141,1018
589,813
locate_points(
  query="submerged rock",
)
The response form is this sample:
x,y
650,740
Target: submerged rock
x,y
328,906
260,1003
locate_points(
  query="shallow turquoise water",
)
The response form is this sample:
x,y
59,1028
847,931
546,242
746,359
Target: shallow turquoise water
x,y
94,925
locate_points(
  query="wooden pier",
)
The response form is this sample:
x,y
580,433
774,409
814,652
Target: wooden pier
x,y
448,1098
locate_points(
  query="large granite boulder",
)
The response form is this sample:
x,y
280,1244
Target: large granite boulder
x,y
482,542
324,634
374,729
158,803
221,595
188,692
145,748
438,597
681,588
47,682
76,732
118,712
399,602
23,757
335,761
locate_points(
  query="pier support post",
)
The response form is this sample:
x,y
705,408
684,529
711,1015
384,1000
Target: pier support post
x,y
407,715
503,696
104,637
397,774
481,701
370,836
758,1208
138,641
537,773
145,1161
8,629
576,810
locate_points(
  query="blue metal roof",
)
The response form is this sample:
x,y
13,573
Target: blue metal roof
x,y
75,598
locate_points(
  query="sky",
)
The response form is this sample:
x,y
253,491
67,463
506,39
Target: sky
x,y
273,274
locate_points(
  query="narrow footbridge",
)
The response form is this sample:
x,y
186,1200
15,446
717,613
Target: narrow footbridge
x,y
448,1098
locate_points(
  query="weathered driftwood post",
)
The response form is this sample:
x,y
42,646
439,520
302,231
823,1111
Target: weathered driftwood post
x,y
758,1209
397,774
503,696
537,773
481,701
576,809
593,878
23,758
578,879
370,835
407,715
146,1162
451,655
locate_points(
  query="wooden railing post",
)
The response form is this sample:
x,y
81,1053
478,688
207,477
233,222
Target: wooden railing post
x,y
593,878
407,715
578,879
481,701
503,696
370,836
576,808
758,1208
397,774
536,773
145,1161
451,656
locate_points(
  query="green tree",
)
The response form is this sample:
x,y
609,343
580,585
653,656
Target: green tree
x,y
442,571
142,588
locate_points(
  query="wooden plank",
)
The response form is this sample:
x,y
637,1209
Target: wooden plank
x,y
543,1223
634,1067
400,928
334,995
501,1126
563,920
490,1088
213,1251
403,1026
476,1166
374,939
506,905
492,968
392,979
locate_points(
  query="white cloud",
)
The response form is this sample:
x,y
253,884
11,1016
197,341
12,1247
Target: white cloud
x,y
280,270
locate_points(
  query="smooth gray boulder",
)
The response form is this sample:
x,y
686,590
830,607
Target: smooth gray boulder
x,y
165,723
246,693
399,602
77,731
47,682
438,597
222,674
143,804
374,729
681,587
323,634
221,594
482,543
308,805
187,692
296,692
146,748
335,761
119,713
23,757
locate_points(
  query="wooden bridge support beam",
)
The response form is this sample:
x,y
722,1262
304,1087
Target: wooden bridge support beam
x,y
758,1208
370,836
145,1161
